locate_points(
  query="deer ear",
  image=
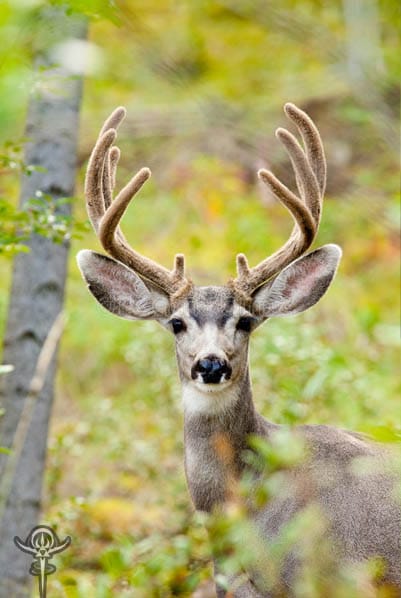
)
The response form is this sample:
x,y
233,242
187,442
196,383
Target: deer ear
x,y
120,290
300,285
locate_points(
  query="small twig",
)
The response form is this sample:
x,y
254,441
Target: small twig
x,y
45,356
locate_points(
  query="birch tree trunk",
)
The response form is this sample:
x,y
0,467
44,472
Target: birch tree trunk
x,y
37,294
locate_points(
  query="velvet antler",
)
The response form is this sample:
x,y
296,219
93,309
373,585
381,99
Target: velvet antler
x,y
310,173
105,212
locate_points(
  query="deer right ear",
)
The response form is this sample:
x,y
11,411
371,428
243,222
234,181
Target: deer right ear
x,y
120,290
300,285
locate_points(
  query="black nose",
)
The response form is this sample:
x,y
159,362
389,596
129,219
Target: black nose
x,y
211,368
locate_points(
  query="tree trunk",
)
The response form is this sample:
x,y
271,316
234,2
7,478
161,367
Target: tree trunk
x,y
37,295
366,67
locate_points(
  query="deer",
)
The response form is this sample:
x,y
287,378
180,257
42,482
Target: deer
x,y
212,327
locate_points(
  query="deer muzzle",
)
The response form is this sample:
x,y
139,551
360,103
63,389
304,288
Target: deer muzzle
x,y
211,370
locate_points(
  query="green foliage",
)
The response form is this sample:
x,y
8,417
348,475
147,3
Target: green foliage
x,y
40,215
94,9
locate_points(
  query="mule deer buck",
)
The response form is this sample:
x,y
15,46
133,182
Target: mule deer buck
x,y
212,326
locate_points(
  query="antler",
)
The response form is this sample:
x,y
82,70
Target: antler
x,y
106,213
310,173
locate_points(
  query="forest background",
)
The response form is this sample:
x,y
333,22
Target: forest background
x,y
204,83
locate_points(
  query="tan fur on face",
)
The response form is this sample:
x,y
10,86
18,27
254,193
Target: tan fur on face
x,y
201,339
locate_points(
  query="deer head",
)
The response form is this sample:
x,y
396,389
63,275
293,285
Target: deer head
x,y
211,324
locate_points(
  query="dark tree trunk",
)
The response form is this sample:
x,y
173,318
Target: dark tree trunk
x,y
37,296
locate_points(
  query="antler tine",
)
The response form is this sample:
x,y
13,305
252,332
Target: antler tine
x,y
114,158
106,213
109,175
305,177
310,174
114,120
95,203
114,242
313,142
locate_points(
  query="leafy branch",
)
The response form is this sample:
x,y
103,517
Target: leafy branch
x,y
41,215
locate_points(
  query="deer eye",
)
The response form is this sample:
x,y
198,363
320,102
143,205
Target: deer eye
x,y
178,325
245,323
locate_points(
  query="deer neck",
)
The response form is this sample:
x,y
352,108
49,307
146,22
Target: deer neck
x,y
216,429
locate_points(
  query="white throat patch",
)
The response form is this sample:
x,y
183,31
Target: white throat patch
x,y
212,400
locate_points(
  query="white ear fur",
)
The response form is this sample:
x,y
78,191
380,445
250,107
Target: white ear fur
x,y
300,285
120,290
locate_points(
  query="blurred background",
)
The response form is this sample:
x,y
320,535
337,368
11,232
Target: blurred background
x,y
204,83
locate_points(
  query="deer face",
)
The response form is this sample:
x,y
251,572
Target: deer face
x,y
211,332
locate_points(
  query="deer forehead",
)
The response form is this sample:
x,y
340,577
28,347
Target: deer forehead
x,y
210,306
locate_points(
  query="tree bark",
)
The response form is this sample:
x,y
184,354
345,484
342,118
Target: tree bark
x,y
37,295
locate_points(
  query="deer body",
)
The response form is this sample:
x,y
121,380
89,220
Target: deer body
x,y
360,517
361,511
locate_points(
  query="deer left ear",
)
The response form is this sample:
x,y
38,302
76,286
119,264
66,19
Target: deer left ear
x,y
120,290
300,285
